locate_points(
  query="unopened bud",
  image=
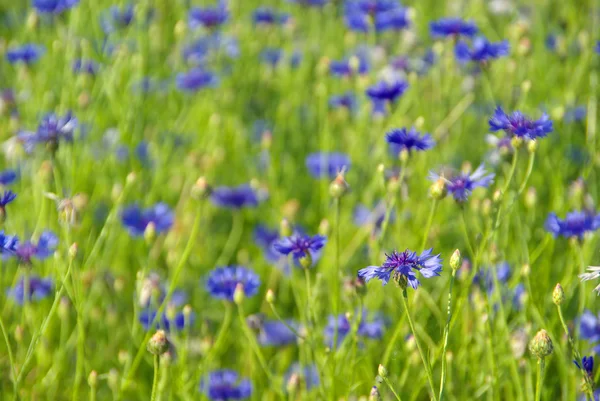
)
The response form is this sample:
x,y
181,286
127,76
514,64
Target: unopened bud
x,y
306,261
93,379
338,186
200,189
404,155
497,196
73,250
374,394
293,383
532,146
516,142
150,232
438,189
238,294
270,296
541,345
158,343
455,260
131,177
382,371
558,295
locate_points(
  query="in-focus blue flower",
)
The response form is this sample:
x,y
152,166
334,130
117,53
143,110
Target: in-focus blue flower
x,y
53,6
8,177
409,140
300,246
235,197
452,27
85,67
26,54
117,18
225,385
196,79
481,50
587,364
368,329
166,322
136,220
327,165
404,266
462,184
520,125
52,130
589,326
208,17
27,250
269,16
222,281
39,288
308,375
345,101
575,224
387,91
349,66
273,333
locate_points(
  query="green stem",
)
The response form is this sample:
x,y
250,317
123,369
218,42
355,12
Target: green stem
x,y
429,221
155,380
220,337
466,233
414,332
386,380
446,333
290,328
13,369
336,290
541,367
530,164
233,239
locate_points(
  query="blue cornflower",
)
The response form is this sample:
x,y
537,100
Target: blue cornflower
x,y
136,220
481,50
39,288
85,67
403,266
347,101
51,131
551,41
5,199
196,79
208,17
575,114
461,185
349,66
587,364
327,165
396,19
575,224
301,247
117,18
26,54
53,6
597,47
589,326
276,334
371,7
8,243
309,375
452,27
222,282
311,3
27,250
387,91
269,16
235,197
271,56
409,140
486,277
358,22
177,321
226,385
368,329
363,216
520,125
8,177
265,238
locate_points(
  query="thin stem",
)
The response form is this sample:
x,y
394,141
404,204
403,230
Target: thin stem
x,y
414,332
220,337
13,369
541,367
155,380
530,164
309,300
336,290
466,233
290,328
446,333
233,239
387,381
429,221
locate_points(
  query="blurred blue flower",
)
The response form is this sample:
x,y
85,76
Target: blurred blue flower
x,y
387,91
597,47
587,364
364,216
271,56
6,198
550,41
117,18
349,66
225,385
452,27
136,220
196,79
308,375
274,333
53,6
520,125
327,165
208,17
27,250
235,197
8,177
265,238
85,67
39,288
575,224
347,101
269,16
462,184
142,152
300,246
215,44
311,3
589,326
222,281
409,140
26,54
403,266
481,50
368,329
51,131
575,114
168,323
393,20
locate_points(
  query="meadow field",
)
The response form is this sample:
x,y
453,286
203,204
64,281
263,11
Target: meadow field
x,y
295,200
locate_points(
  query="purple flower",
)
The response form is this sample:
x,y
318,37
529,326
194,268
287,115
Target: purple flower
x,y
26,54
51,131
520,125
589,326
575,224
208,17
117,18
300,246
395,20
268,16
387,91
85,67
27,250
136,220
452,27
409,140
8,177
225,385
39,288
481,50
235,197
54,6
404,266
265,238
461,185
166,322
349,66
327,165
274,333
346,101
368,329
587,364
196,79
222,282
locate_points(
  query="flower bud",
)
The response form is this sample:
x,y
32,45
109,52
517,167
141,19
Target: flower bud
x,y
558,295
93,379
158,343
73,250
150,232
338,186
270,296
541,345
516,142
200,189
374,394
382,371
455,260
239,294
532,146
306,261
438,189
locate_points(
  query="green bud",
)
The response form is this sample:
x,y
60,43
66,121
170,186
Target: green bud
x,y
239,295
338,186
306,261
158,343
516,142
73,250
455,260
200,189
438,189
93,379
541,345
270,296
378,379
382,371
293,383
150,232
558,295
374,394
532,146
